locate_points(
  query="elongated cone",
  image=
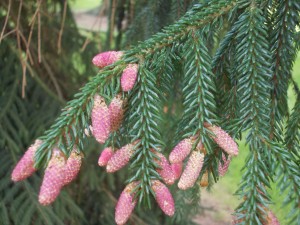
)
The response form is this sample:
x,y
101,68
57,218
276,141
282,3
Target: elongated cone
x,y
116,112
120,158
163,197
72,167
106,58
177,169
105,156
181,150
223,168
191,171
129,76
166,171
100,119
126,204
54,178
25,167
204,180
271,219
224,140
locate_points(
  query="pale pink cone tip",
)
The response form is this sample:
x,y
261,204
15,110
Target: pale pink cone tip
x,y
271,219
100,120
106,58
129,77
177,169
116,112
163,197
166,171
105,156
54,178
223,168
120,158
181,150
192,170
125,204
72,167
224,140
25,167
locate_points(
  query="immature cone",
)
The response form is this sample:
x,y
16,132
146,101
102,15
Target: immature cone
x,y
25,167
224,140
177,169
116,112
120,158
126,204
129,76
106,58
271,219
166,171
223,168
181,150
100,120
72,167
163,198
204,180
105,156
191,171
54,178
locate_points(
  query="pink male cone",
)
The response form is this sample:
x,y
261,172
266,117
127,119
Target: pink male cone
x,y
106,58
177,169
271,219
223,168
72,167
100,120
125,205
129,76
181,150
163,198
120,158
54,178
116,112
224,140
166,171
25,167
105,156
192,170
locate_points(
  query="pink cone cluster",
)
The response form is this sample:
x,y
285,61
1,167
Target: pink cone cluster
x,y
181,150
223,168
163,197
25,167
105,156
129,74
125,204
106,119
72,167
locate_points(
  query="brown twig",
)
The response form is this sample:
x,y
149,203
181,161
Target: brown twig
x,y
112,20
6,20
39,35
62,28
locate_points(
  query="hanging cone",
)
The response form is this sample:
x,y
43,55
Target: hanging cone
x,y
181,150
166,171
177,169
224,140
129,76
25,167
163,197
100,120
105,156
192,170
120,158
116,112
106,58
126,204
204,180
224,168
54,178
72,167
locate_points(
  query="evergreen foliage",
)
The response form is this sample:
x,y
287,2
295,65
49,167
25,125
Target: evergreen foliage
x,y
223,63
